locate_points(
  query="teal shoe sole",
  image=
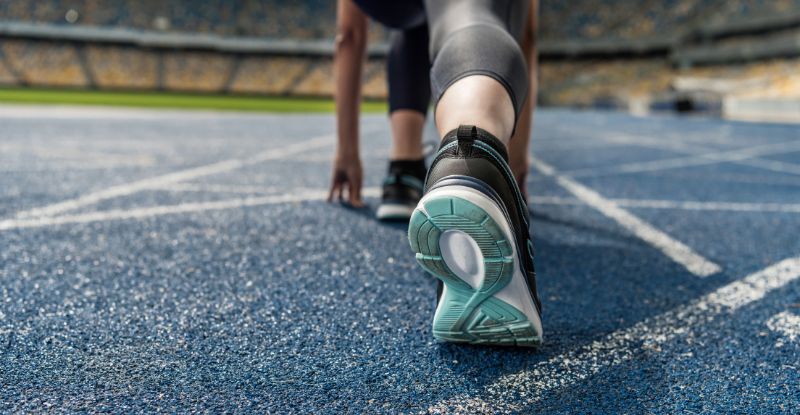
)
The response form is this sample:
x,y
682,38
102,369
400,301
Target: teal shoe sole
x,y
467,313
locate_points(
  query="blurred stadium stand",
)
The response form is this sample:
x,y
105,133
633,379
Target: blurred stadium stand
x,y
609,53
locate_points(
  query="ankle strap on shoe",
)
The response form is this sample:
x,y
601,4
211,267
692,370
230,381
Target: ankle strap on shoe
x,y
466,135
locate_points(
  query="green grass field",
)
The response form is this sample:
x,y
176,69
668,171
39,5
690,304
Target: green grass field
x,y
176,100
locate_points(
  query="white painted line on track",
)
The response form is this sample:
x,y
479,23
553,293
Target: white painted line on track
x,y
377,153
711,158
78,166
299,195
699,156
677,204
61,157
554,200
95,112
175,177
709,206
516,392
773,165
787,325
672,248
219,188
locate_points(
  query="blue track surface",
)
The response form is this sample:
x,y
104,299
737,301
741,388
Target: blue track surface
x,y
232,286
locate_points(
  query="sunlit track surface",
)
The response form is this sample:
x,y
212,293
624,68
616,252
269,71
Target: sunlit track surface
x,y
167,261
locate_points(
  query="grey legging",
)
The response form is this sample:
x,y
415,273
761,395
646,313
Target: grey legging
x,y
467,37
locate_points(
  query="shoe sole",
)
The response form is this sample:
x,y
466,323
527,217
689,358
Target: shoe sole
x,y
394,212
461,237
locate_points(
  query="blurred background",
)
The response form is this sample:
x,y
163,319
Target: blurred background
x,y
735,58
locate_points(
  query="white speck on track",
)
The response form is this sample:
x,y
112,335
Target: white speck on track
x,y
672,248
787,325
515,392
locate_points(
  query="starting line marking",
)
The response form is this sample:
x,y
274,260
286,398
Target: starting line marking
x,y
146,212
174,177
680,253
517,391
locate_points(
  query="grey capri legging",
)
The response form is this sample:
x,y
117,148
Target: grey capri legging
x,y
465,37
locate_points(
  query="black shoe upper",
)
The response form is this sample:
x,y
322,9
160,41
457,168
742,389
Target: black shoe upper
x,y
404,182
401,189
471,153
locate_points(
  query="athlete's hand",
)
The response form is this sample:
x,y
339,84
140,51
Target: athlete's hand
x,y
347,173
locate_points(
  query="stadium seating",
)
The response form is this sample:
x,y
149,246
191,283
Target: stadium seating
x,y
318,81
587,83
67,64
45,63
374,80
778,78
197,71
308,19
6,76
268,75
117,67
273,18
609,19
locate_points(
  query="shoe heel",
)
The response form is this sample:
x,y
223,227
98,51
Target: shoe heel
x,y
459,243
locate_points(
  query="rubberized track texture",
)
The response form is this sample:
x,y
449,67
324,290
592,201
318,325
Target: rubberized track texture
x,y
172,262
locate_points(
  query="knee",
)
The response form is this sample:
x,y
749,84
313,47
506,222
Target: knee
x,y
484,41
481,49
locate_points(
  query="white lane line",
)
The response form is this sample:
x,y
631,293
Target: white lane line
x,y
787,325
672,248
517,391
711,158
554,200
376,153
747,156
773,165
712,206
78,166
298,195
70,112
219,188
72,154
175,177
677,204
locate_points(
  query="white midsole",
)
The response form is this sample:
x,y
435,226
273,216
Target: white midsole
x,y
391,210
516,292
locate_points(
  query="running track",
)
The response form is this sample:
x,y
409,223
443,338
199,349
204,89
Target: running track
x,y
186,261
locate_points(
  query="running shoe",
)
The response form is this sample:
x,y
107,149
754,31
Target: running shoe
x,y
402,190
470,230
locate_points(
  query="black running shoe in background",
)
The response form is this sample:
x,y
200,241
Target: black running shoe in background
x,y
470,230
402,190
